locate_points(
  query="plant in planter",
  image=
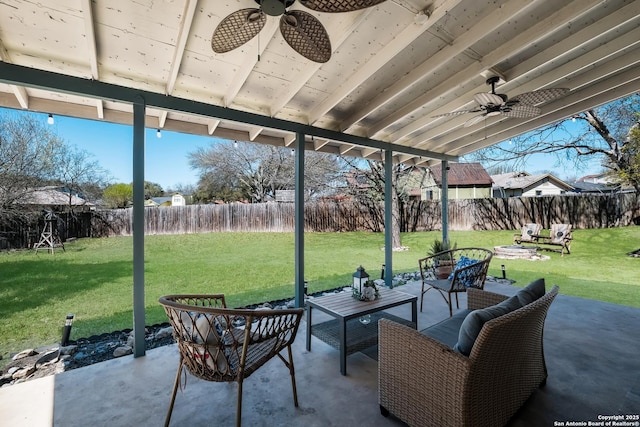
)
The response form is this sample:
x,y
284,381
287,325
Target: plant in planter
x,y
443,263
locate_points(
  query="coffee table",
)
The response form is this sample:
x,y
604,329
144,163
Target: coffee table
x,y
346,332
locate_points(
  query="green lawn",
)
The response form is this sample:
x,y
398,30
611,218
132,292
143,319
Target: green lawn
x,y
93,278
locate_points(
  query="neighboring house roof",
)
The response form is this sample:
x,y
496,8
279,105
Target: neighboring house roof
x,y
601,178
523,180
161,200
461,174
52,196
594,187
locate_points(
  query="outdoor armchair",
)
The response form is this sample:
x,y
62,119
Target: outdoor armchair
x,y
559,235
529,234
227,345
464,268
425,382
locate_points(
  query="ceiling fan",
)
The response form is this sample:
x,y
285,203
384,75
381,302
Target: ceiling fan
x,y
301,30
520,106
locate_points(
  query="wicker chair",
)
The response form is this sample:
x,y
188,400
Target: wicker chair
x,y
424,382
459,278
228,345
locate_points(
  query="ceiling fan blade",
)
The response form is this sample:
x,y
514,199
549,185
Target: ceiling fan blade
x,y
237,29
332,6
540,96
486,99
472,121
306,35
522,111
455,113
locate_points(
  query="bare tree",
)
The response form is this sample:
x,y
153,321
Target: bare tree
x,y
80,174
602,132
28,150
235,171
366,183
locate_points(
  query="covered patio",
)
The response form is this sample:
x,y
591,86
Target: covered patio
x,y
401,86
590,347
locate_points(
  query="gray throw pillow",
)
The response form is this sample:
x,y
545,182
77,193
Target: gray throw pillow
x,y
531,292
511,304
472,325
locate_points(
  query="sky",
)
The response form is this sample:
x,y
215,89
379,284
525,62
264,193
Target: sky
x,y
166,160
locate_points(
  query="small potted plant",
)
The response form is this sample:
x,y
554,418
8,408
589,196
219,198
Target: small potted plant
x,y
443,263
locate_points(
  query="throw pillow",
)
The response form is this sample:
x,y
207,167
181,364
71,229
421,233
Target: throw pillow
x,y
467,277
511,304
472,325
531,292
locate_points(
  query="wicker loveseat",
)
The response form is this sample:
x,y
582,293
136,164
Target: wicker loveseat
x,y
425,382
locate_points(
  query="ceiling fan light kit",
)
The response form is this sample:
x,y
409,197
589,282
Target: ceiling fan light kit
x,y
301,30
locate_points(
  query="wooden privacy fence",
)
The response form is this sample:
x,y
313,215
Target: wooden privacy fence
x,y
582,211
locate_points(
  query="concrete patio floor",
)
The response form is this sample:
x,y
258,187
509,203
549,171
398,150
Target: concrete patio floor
x,y
591,351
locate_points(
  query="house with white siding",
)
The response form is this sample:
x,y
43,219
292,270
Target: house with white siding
x,y
522,184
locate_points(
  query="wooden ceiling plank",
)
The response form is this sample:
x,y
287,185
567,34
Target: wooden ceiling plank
x,y
484,27
559,19
607,92
411,32
250,61
556,76
312,67
604,91
585,63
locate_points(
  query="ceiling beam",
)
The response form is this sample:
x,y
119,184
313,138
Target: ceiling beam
x,y
162,118
435,62
100,108
607,90
90,33
254,131
559,19
576,73
312,67
20,93
30,77
411,32
212,125
242,74
183,34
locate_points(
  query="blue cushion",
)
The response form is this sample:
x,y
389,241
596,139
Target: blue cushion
x,y
531,292
466,277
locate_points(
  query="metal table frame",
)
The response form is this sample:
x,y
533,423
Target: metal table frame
x,y
343,307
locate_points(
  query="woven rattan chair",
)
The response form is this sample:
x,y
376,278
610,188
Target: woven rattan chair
x,y
228,345
424,382
460,278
